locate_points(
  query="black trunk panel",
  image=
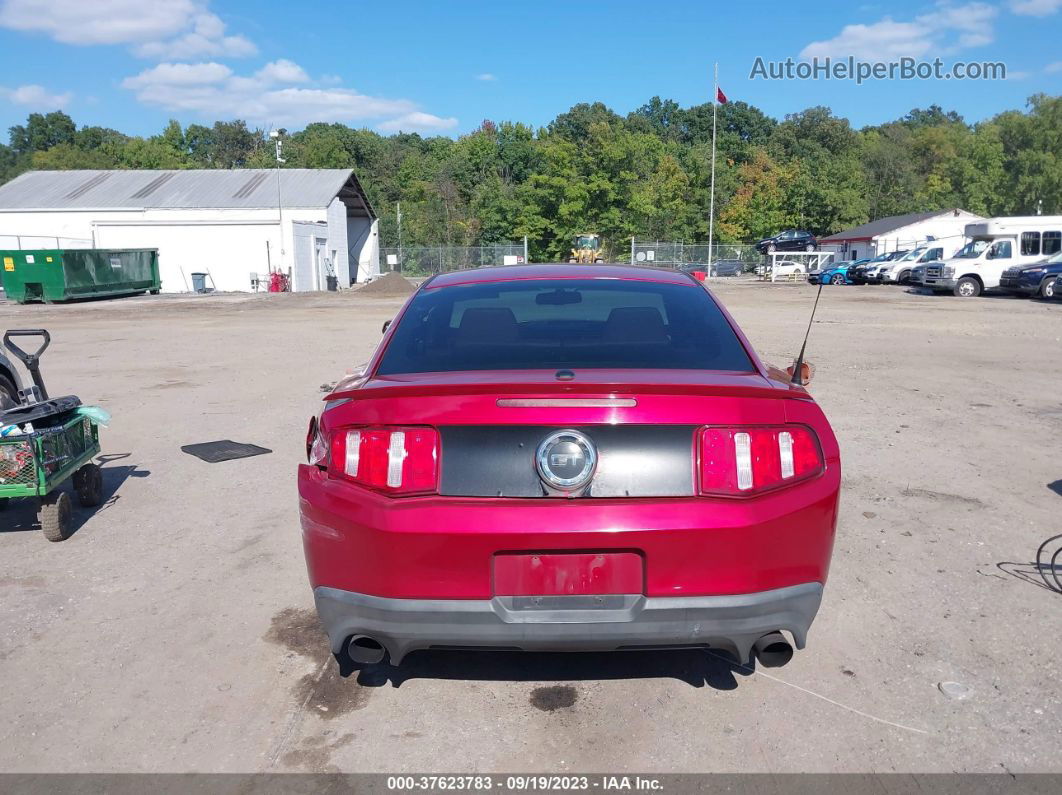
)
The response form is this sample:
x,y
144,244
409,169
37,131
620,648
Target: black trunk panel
x,y
634,460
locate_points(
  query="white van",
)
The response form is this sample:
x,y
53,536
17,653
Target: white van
x,y
995,245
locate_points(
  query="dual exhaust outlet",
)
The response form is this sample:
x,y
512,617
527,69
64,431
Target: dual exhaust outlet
x,y
772,650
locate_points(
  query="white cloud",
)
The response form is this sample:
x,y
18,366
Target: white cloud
x,y
883,41
172,29
35,96
945,30
213,90
1035,8
97,21
417,121
179,74
207,38
1053,68
282,71
486,77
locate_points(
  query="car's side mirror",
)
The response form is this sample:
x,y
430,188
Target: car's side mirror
x,y
386,323
807,372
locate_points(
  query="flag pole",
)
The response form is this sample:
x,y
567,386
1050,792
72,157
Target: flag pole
x,y
711,200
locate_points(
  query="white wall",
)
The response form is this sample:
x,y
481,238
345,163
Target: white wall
x,y
309,272
363,239
946,229
338,242
229,244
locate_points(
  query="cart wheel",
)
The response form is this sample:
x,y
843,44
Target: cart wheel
x,y
88,483
56,516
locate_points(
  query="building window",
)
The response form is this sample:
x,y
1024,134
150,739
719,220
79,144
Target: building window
x,y
1030,244
1052,243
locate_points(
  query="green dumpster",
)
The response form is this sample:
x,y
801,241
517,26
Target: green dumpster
x,y
66,274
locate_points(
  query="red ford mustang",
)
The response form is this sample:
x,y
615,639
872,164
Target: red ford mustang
x,y
563,458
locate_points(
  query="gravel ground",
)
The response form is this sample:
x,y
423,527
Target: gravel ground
x,y
174,631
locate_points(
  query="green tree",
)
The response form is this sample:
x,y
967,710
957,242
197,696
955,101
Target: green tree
x,y
41,132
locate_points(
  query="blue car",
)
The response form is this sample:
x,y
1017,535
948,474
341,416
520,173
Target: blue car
x,y
836,273
1038,279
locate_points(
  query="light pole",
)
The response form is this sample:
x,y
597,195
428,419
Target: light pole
x,y
275,135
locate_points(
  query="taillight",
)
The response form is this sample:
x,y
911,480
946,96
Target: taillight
x,y
394,460
741,461
316,445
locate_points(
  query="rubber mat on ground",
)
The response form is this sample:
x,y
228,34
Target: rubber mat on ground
x,y
223,450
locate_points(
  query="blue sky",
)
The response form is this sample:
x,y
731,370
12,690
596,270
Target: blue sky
x,y
443,67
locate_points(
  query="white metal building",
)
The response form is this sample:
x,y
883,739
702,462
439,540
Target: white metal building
x,y
231,224
898,232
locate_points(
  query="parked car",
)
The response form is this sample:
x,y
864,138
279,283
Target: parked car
x,y
918,276
1056,292
1038,279
560,458
781,269
727,267
862,274
898,271
789,240
836,273
722,267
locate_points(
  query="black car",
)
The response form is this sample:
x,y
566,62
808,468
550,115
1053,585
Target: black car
x,y
789,240
721,267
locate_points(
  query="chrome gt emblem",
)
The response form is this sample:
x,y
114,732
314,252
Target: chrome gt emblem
x,y
566,460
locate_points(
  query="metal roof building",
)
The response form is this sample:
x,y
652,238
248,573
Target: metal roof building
x,y
897,232
234,225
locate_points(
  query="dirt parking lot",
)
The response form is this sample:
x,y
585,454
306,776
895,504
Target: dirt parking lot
x,y
175,632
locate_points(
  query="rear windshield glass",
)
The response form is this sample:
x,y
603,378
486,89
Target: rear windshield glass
x,y
547,324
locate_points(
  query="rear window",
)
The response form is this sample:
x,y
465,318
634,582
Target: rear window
x,y
563,323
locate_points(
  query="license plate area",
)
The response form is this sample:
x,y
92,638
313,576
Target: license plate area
x,y
568,574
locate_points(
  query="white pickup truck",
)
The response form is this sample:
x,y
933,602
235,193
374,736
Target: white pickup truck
x,y
995,245
899,271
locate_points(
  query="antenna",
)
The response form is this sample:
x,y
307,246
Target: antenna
x,y
798,365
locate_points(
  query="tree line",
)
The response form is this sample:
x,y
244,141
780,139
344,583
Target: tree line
x,y
646,174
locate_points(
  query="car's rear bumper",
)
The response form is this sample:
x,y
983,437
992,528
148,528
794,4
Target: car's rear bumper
x,y
587,623
446,548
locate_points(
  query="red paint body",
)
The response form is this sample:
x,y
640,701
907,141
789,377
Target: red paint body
x,y
435,547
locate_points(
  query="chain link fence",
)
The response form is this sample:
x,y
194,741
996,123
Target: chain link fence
x,y
428,260
672,254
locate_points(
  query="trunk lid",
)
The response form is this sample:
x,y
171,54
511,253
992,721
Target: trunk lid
x,y
643,422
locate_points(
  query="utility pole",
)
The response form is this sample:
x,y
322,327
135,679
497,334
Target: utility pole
x,y
711,200
275,135
398,214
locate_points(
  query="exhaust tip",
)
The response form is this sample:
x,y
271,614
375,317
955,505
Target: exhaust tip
x,y
365,650
773,650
